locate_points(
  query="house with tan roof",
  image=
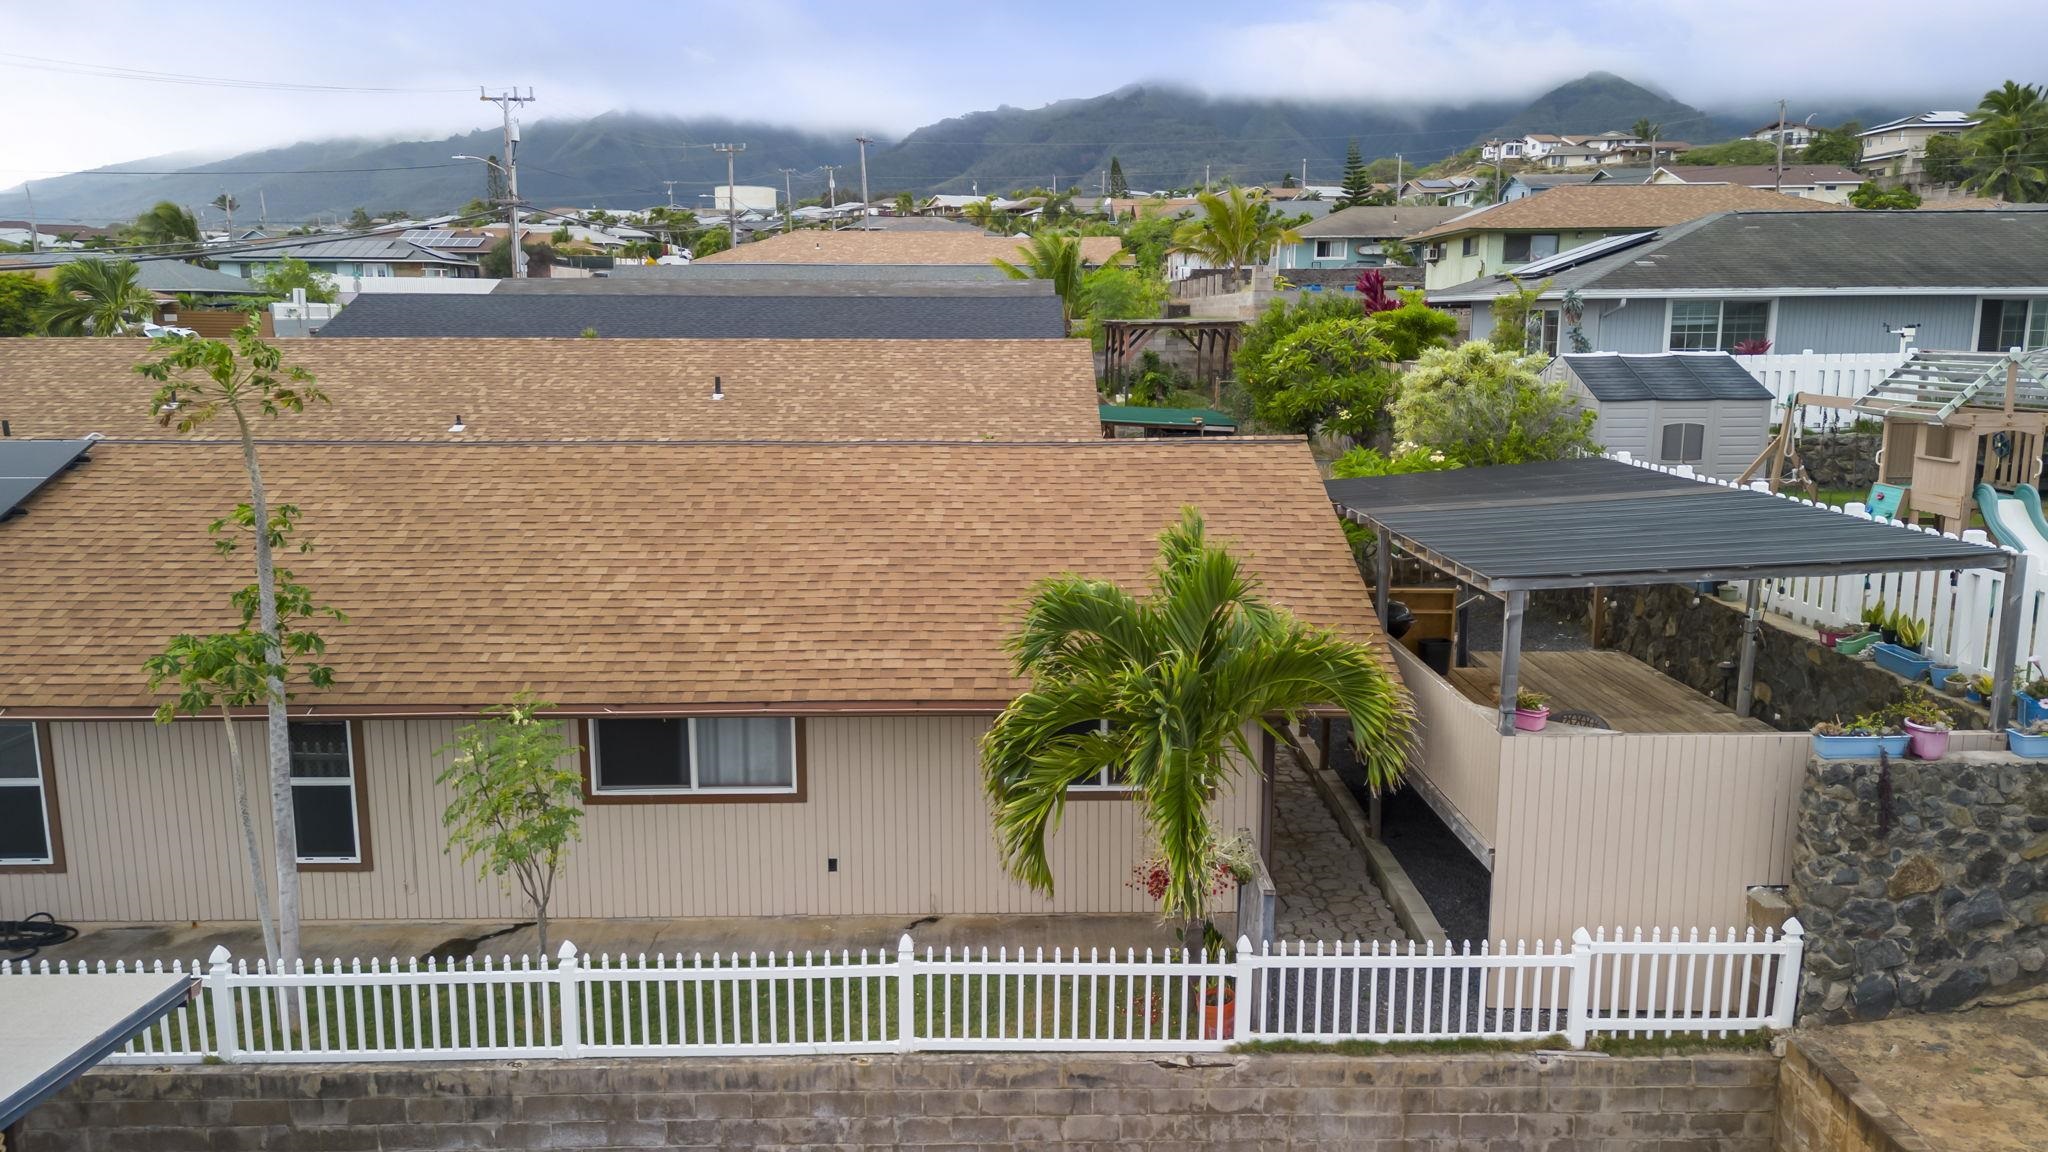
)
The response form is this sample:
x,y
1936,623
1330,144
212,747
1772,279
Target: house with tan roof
x,y
850,246
1502,237
766,587
1828,183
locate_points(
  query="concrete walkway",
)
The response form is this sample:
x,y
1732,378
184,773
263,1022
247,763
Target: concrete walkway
x,y
1325,891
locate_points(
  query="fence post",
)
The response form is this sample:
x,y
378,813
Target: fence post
x,y
568,983
1241,1022
1579,997
906,985
1785,999
221,999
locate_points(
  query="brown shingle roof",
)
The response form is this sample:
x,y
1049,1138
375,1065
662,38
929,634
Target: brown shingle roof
x,y
1763,175
1621,207
735,576
412,389
854,246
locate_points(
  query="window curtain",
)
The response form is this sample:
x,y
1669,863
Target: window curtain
x,y
746,752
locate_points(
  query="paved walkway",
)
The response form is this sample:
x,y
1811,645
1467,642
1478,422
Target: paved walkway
x,y
1324,888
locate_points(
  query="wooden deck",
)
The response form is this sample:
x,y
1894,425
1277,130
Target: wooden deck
x,y
1629,694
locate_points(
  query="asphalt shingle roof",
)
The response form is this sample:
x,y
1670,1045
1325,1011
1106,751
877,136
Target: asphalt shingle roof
x,y
722,285
1622,207
1374,221
1670,376
703,317
856,246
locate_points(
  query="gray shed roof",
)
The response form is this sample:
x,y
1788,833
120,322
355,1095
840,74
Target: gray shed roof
x,y
1370,221
158,275
59,1026
1614,378
1595,521
726,286
702,317
958,273
1917,250
388,249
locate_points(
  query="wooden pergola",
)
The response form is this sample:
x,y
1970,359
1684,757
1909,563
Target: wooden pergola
x,y
1214,342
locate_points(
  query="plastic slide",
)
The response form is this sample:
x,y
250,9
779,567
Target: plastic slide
x,y
2016,521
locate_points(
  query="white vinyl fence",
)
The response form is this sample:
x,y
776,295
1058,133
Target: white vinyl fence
x,y
968,1000
1848,375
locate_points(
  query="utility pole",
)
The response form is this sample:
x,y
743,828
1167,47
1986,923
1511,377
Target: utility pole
x,y
788,201
863,141
227,205
1778,177
262,211
1205,177
1400,171
732,195
1497,190
33,244
1304,174
831,186
670,187
505,102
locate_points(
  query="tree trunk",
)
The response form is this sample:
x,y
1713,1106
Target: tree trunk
x,y
250,849
285,838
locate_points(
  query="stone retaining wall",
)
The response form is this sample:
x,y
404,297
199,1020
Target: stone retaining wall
x,y
1921,887
1823,1107
1486,1103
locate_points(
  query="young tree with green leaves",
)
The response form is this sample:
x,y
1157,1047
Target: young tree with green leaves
x,y
290,273
1412,327
1055,257
1834,146
906,204
95,297
1357,181
197,381
1232,230
1178,675
230,671
22,299
1513,312
164,224
518,803
1874,197
1118,186
1479,405
1331,375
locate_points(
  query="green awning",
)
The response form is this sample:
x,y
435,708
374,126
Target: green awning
x,y
1134,416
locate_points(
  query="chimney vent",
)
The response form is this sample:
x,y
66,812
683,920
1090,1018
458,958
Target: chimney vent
x,y
717,388
458,425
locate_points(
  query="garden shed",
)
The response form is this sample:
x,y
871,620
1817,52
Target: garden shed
x,y
1697,408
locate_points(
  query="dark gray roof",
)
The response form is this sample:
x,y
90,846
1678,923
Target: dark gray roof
x,y
958,273
162,275
720,286
1613,378
1377,221
912,224
1572,523
1834,251
702,317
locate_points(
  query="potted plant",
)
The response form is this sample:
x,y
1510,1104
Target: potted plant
x,y
1876,618
2033,698
1911,632
1846,740
2030,741
1234,861
1532,710
1900,653
1927,732
1940,674
1856,645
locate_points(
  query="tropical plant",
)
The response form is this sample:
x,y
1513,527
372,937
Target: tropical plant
x,y
1480,406
2007,144
288,274
1413,326
518,800
905,203
1644,129
1357,181
164,224
1161,689
1232,230
1055,257
1756,347
1573,308
197,380
1114,292
22,299
1372,292
1840,145
1513,313
95,297
1397,253
1331,375
1872,196
227,205
1944,160
1529,700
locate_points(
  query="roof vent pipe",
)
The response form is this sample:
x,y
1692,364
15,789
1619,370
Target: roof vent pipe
x,y
717,388
458,425
6,429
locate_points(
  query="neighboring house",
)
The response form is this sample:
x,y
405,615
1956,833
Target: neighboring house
x,y
913,224
1697,408
1793,134
164,278
809,315
1449,191
1828,183
1524,184
1893,150
1565,157
367,257
854,246
775,634
1648,152
1837,282
1506,236
1355,237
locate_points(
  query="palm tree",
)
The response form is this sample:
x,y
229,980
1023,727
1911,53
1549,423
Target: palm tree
x,y
1232,230
165,223
1050,256
2022,102
2006,145
96,298
1178,675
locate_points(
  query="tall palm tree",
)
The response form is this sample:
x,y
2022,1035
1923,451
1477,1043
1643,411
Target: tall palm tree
x,y
1050,256
1232,230
2006,145
164,223
96,298
1177,674
2020,101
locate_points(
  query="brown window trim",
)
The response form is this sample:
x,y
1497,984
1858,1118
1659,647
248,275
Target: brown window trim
x,y
592,796
1086,794
359,778
46,763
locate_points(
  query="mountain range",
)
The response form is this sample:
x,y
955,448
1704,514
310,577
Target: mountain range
x,y
1162,136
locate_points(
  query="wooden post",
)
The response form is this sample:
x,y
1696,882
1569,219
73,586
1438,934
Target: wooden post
x,y
1596,618
1383,576
1745,676
1267,772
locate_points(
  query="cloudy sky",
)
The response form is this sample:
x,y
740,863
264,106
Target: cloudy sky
x,y
146,82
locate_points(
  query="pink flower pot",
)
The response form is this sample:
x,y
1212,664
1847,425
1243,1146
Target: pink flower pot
x,y
1926,743
1531,719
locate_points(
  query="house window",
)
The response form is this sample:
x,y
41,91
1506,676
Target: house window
x,y
27,834
1718,325
324,806
1329,249
1522,247
2004,324
1547,337
694,755
1468,245
1682,443
1109,779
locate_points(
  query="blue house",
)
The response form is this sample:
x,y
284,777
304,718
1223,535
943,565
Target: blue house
x,y
1356,237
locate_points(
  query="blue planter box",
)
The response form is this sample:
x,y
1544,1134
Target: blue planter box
x,y
1857,747
2032,709
2021,744
1939,674
1900,661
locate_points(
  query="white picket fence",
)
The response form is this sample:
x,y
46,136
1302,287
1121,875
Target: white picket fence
x,y
967,999
1847,375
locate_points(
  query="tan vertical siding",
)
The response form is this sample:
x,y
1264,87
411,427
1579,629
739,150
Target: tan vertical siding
x,y
1641,830
151,835
1460,745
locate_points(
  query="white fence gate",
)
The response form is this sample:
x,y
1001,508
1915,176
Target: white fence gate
x,y
968,1000
1848,375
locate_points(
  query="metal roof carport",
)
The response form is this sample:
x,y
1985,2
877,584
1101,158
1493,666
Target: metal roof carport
x,y
53,1028
1596,522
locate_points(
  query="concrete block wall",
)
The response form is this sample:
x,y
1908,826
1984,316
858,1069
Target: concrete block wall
x,y
1823,1107
1483,1103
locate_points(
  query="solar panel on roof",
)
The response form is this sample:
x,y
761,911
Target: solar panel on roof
x,y
1571,256
27,465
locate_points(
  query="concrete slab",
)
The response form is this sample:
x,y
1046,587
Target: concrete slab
x,y
1974,1081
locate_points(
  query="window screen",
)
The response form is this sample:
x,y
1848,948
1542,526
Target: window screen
x,y
642,754
1514,249
1542,246
746,752
706,753
24,827
1684,443
323,791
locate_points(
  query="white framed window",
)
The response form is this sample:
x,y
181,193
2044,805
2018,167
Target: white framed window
x,y
1468,245
1109,779
1681,442
1330,249
1717,325
27,833
693,755
2004,324
1522,247
324,809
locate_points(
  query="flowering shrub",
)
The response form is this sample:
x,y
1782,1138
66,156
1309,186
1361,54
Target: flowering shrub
x,y
1231,860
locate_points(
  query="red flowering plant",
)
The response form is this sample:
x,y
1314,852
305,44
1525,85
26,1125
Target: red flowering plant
x,y
1227,861
1752,347
1372,292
